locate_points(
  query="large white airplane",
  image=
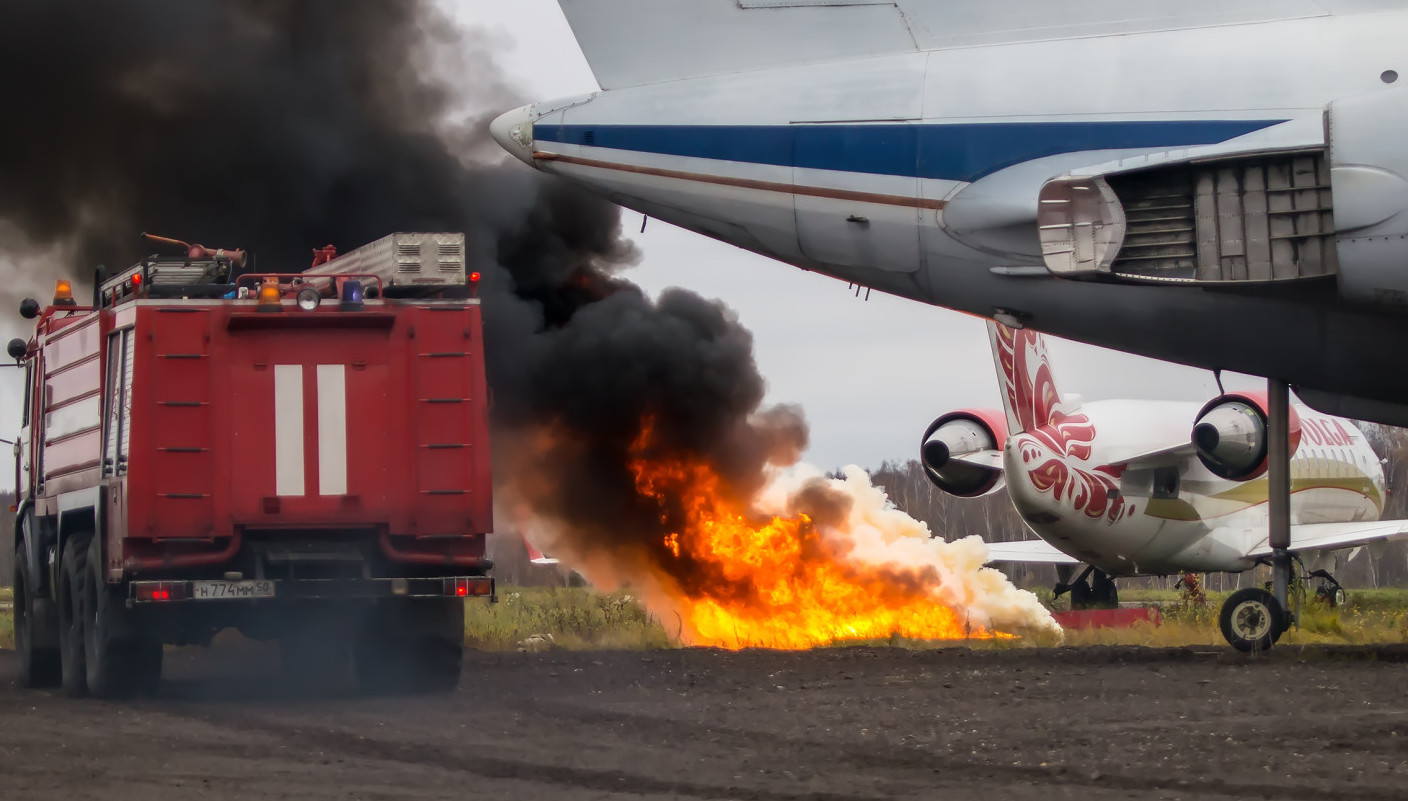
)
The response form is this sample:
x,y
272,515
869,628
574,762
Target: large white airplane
x,y
1222,183
1132,488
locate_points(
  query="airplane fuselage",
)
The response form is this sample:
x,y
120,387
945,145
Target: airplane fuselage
x,y
918,174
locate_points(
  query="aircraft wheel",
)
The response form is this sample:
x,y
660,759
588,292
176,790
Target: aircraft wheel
x,y
1331,595
1252,620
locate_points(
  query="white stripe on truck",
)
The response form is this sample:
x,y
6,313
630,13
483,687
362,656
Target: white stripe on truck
x,y
288,429
332,429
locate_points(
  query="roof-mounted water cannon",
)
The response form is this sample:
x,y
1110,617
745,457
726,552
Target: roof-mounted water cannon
x,y
235,258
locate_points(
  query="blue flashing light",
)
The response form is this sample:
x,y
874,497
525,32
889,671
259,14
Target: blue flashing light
x,y
351,296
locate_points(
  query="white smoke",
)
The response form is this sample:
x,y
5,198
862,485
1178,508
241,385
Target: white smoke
x,y
874,532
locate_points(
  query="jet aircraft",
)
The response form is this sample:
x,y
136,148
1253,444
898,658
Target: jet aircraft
x,y
1221,183
1130,488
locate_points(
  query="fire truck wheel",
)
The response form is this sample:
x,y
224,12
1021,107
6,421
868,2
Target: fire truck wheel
x,y
391,664
39,667
313,655
73,574
413,646
117,668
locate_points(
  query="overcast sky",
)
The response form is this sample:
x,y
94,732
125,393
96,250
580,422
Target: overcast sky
x,y
871,375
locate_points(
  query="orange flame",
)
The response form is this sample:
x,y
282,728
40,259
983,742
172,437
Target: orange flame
x,y
776,582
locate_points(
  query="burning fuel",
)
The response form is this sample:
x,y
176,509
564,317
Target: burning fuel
x,y
628,429
807,560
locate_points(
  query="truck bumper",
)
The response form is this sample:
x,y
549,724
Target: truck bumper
x,y
143,593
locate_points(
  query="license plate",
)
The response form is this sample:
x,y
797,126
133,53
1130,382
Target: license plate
x,y
231,590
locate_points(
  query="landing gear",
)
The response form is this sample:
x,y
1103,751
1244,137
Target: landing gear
x,y
1104,595
1252,620
1328,591
1097,593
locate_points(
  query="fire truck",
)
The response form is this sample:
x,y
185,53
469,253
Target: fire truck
x,y
303,457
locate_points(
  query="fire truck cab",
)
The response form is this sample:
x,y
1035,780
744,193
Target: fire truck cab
x,y
303,457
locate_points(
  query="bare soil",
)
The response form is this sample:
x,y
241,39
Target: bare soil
x,y
858,723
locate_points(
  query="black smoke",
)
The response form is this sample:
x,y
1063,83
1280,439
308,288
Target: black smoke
x,y
282,125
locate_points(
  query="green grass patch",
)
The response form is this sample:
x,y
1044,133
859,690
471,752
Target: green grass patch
x,y
574,618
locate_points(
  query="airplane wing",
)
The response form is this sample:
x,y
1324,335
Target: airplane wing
x,y
634,42
1334,536
1031,552
1162,457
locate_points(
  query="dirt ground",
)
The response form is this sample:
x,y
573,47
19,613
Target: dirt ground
x,y
831,724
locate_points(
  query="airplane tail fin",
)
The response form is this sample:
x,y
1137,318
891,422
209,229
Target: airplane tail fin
x,y
536,556
1025,378
634,42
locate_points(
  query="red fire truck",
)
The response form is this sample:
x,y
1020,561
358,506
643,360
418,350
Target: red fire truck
x,y
303,457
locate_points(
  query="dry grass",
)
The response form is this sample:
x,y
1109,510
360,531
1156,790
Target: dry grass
x,y
564,617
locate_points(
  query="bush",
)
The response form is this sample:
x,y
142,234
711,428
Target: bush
x,y
574,617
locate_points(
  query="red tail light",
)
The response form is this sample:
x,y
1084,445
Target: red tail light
x,y
161,591
464,587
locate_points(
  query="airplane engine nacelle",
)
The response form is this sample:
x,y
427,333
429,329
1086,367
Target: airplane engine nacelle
x,y
952,436
1369,177
1231,435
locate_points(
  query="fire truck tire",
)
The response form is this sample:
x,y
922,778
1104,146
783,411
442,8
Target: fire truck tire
x,y
117,667
390,664
411,647
313,654
39,666
73,575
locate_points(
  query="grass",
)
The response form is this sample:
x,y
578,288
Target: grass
x,y
563,617
579,618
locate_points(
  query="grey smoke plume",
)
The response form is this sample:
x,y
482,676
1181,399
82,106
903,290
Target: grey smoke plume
x,y
283,125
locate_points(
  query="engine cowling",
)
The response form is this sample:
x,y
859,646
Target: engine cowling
x,y
1231,435
955,434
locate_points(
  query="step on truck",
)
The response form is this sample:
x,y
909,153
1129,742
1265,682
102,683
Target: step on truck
x,y
303,457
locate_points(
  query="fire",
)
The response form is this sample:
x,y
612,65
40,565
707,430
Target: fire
x,y
778,578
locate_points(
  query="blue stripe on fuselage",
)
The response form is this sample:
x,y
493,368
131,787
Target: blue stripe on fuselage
x,y
949,151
